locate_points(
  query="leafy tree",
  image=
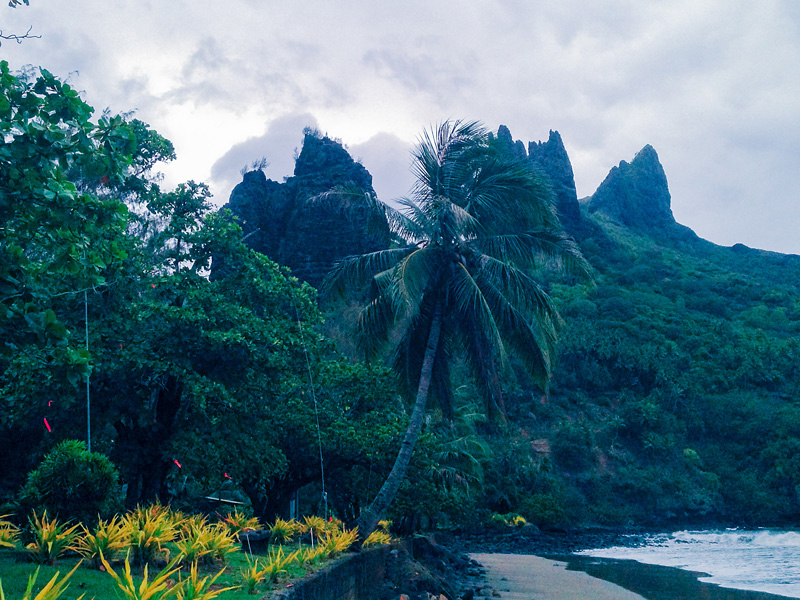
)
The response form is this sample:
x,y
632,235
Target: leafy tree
x,y
472,231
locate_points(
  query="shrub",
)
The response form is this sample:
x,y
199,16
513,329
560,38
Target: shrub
x,y
544,510
194,588
252,576
9,533
108,538
72,483
149,529
51,539
160,588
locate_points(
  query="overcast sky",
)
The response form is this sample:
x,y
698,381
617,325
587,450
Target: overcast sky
x,y
712,85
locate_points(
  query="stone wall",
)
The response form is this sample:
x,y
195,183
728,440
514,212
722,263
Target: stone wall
x,y
356,577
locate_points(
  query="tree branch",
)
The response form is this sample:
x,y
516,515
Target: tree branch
x,y
18,38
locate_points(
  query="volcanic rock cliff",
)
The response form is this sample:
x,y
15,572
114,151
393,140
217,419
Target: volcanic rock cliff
x,y
551,159
292,224
636,193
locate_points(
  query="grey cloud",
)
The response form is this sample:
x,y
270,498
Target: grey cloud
x,y
388,159
278,145
421,71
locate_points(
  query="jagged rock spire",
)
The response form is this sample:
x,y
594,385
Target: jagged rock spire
x,y
636,193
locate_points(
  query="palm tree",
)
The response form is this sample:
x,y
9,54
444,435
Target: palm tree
x,y
458,281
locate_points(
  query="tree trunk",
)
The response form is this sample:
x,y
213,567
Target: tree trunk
x,y
368,520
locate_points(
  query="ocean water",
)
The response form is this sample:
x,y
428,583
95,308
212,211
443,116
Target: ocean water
x,y
758,560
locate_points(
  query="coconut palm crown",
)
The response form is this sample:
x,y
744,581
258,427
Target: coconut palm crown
x,y
458,281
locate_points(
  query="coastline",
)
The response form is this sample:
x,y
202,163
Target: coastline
x,y
531,577
656,582
652,582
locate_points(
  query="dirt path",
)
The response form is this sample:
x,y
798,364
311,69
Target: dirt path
x,y
526,577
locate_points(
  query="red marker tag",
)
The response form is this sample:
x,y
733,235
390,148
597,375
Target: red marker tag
x,y
46,424
228,476
177,463
49,403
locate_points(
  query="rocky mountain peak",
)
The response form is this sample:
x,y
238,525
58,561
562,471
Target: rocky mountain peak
x,y
288,223
551,157
636,193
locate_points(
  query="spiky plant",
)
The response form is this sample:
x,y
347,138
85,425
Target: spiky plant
x,y
149,529
52,590
219,542
9,533
158,589
282,531
109,537
337,542
252,576
277,561
237,522
51,538
195,588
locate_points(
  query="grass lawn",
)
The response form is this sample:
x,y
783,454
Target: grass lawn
x,y
15,568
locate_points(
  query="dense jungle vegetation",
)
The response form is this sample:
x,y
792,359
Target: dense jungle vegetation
x,y
672,400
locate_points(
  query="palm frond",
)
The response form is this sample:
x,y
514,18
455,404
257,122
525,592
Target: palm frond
x,y
469,305
536,249
533,340
354,271
519,288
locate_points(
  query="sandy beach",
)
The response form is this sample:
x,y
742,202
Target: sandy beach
x,y
526,577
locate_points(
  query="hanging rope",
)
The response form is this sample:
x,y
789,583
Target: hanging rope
x,y
314,397
88,400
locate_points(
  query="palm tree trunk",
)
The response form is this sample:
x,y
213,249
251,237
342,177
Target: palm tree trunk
x,y
368,520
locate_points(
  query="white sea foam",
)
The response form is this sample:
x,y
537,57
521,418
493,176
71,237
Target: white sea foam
x,y
761,560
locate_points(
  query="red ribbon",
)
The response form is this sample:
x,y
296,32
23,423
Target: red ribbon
x,y
177,463
46,424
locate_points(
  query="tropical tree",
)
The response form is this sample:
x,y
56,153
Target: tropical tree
x,y
459,280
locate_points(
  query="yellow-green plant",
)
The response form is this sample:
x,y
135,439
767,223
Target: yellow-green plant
x,y
336,542
108,538
319,527
51,591
148,530
194,588
192,545
158,589
281,532
51,539
252,576
187,526
219,542
312,554
377,538
278,560
237,522
9,533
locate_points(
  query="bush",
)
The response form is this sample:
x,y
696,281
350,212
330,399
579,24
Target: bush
x,y
72,483
544,511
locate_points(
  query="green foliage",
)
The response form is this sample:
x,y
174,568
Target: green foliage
x,y
72,483
544,510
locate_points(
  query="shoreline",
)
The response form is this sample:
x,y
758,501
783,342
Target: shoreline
x,y
652,582
656,582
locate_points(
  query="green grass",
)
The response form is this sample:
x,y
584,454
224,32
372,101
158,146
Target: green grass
x,y
15,568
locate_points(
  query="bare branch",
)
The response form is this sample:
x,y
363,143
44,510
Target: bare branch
x,y
18,38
